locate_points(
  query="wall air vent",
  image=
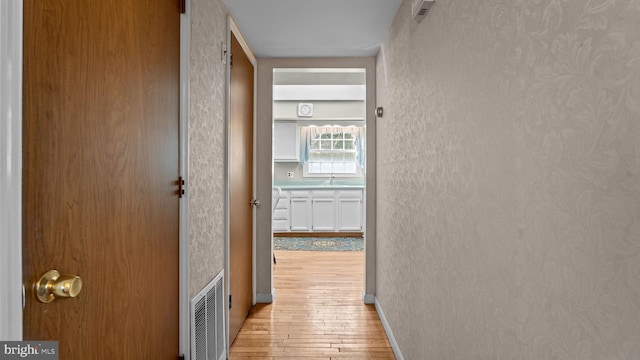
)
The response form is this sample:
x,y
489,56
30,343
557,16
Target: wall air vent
x,y
207,322
420,9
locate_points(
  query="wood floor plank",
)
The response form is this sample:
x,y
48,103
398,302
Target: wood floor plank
x,y
317,315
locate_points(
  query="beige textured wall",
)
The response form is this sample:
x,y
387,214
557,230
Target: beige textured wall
x,y
509,180
206,142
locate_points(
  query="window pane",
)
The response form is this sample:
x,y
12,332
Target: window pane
x,y
314,167
326,167
333,150
319,156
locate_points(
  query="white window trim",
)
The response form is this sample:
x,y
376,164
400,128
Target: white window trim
x,y
306,172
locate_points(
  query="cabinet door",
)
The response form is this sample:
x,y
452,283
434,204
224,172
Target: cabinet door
x,y
324,214
285,141
349,214
300,215
349,210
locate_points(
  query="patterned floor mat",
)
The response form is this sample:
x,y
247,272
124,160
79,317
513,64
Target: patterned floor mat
x,y
318,244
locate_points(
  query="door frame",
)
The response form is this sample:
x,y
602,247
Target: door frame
x,y
266,290
11,169
11,18
232,27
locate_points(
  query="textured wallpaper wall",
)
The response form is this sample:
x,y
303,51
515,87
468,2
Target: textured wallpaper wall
x,y
206,142
509,180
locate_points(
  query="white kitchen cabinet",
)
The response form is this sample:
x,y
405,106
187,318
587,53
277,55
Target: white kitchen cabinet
x,y
281,213
300,211
286,140
323,210
349,210
319,210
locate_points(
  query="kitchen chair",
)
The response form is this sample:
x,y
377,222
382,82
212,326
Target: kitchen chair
x,y
275,197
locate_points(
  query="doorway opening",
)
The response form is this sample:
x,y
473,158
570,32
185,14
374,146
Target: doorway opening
x,y
319,159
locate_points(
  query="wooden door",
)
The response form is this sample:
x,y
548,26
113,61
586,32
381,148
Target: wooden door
x,y
100,164
240,187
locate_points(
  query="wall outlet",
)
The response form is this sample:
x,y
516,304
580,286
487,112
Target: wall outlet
x,y
289,174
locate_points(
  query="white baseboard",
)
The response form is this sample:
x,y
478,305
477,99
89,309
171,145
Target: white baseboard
x,y
368,298
387,329
266,298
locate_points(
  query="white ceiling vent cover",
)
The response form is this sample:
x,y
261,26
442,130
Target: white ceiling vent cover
x,y
207,322
420,9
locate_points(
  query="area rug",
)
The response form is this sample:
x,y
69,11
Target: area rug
x,y
318,244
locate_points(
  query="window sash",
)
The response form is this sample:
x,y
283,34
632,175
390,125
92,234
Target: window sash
x,y
332,150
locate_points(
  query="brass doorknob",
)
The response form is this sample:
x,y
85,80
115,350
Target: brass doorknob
x,y
52,285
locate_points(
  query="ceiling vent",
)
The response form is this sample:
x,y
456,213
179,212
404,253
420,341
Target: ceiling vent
x,y
420,9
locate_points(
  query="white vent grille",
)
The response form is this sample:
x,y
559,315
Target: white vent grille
x,y
207,322
420,9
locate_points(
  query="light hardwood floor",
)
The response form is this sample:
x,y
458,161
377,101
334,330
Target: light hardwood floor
x,y
318,313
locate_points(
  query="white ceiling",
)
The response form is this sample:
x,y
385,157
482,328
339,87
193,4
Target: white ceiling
x,y
313,28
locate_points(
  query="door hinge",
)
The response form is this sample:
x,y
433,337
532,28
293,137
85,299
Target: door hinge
x,y
223,51
182,5
229,301
180,187
181,357
231,61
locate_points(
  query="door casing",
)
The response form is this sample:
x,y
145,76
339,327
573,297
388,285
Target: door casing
x,y
10,210
11,169
264,271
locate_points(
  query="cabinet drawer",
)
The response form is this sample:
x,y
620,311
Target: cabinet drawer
x,y
281,225
351,194
323,194
300,193
281,214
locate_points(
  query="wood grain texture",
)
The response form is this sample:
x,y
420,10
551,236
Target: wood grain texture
x,y
240,187
101,107
318,313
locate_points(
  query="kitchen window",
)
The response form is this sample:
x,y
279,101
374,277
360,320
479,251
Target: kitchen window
x,y
332,150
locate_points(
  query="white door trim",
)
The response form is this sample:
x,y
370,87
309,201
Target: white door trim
x,y
185,301
11,16
11,169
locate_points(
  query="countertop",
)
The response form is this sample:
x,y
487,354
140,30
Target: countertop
x,y
318,184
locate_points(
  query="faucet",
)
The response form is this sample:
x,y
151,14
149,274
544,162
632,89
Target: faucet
x,y
333,177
